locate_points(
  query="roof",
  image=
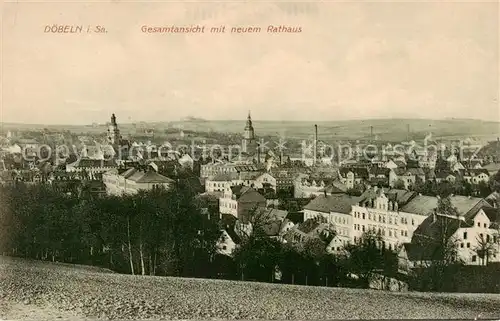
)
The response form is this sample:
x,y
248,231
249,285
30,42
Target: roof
x,y
334,188
338,203
140,176
249,175
492,213
223,177
476,172
274,220
87,163
149,177
444,174
399,163
400,196
247,168
416,171
436,227
361,172
425,205
247,194
379,171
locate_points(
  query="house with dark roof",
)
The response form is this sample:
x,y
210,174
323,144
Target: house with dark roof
x,y
445,176
336,210
240,201
474,233
351,176
407,176
314,185
476,176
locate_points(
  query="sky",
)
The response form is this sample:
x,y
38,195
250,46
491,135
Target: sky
x,y
352,60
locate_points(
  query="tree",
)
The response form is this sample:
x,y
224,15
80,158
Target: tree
x,y
485,249
365,256
399,184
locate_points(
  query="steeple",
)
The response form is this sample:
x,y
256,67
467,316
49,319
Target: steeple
x,y
113,132
249,133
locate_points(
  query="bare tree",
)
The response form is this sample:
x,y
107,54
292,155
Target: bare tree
x,y
485,249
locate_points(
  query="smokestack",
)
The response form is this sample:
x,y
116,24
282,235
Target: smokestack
x,y
408,133
371,132
315,142
258,153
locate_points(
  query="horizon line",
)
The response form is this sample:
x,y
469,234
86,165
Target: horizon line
x,y
200,119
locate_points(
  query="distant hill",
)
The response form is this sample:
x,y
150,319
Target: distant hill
x,y
384,129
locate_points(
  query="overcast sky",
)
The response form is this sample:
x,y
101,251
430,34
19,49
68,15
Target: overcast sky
x,y
351,61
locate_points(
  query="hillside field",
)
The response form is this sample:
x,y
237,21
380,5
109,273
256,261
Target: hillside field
x,y
40,290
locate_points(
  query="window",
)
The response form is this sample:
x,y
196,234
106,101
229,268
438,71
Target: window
x,y
468,245
412,222
406,233
462,245
402,233
481,235
363,228
485,225
465,235
224,247
487,237
364,216
478,224
474,258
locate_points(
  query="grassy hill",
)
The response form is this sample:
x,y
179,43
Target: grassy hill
x,y
385,129
87,292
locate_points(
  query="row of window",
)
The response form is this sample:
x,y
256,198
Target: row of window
x,y
382,218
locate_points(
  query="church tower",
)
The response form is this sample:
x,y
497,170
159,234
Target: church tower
x,y
113,132
248,134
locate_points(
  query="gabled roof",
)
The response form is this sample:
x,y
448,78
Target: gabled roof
x,y
400,196
416,171
224,177
247,194
444,174
475,172
338,203
87,163
425,205
437,227
150,177
140,176
360,172
379,171
492,213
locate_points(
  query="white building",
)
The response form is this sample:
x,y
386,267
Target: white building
x,y
133,180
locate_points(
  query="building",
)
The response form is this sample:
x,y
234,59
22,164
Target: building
x,y
249,141
380,210
474,234
352,176
308,186
132,180
476,176
407,176
220,182
115,139
93,168
240,201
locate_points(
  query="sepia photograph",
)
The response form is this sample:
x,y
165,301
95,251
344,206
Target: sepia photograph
x,y
249,160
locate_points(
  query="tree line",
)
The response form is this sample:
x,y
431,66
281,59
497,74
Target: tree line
x,y
166,233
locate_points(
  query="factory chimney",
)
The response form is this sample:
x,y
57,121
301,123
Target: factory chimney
x,y
315,144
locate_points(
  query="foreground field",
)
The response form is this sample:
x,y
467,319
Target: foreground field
x,y
36,290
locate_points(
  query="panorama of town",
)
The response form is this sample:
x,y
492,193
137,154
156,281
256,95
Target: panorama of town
x,y
421,215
